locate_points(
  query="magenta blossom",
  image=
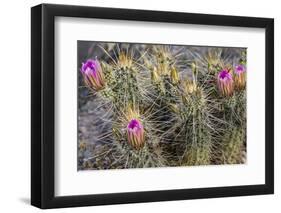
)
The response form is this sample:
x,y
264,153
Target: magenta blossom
x,y
225,82
93,74
240,76
135,132
240,68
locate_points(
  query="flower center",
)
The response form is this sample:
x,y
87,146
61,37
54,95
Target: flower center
x,y
134,124
224,74
90,67
240,69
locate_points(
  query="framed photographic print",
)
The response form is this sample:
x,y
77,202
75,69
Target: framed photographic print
x,y
138,106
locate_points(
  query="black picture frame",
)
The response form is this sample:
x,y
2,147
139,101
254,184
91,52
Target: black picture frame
x,y
43,102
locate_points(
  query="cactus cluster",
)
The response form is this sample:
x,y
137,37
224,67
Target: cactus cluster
x,y
165,105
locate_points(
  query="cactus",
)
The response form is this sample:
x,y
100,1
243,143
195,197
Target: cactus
x,y
198,134
233,147
196,139
166,106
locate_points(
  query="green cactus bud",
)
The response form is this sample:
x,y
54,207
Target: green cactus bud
x,y
174,75
194,68
154,75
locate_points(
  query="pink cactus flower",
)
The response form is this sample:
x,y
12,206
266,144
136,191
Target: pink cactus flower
x,y
225,82
93,74
135,132
240,76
